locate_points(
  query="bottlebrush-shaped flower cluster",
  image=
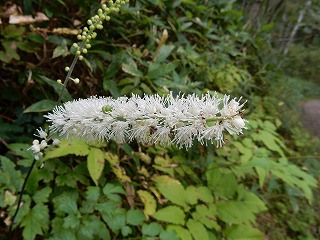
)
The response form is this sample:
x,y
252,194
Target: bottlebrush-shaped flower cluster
x,y
151,119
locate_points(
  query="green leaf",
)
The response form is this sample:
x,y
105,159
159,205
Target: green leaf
x,y
206,216
135,217
221,184
168,235
36,222
112,191
57,88
157,70
61,50
132,70
242,210
115,219
66,203
198,231
149,202
42,195
4,57
95,164
66,147
191,195
164,52
204,194
71,221
152,229
171,189
170,214
126,231
41,106
92,194
93,228
181,232
243,232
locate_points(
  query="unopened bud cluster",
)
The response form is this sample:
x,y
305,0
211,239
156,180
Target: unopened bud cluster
x,y
38,146
150,119
94,23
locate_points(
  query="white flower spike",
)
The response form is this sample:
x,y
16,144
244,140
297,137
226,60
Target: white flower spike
x,y
150,119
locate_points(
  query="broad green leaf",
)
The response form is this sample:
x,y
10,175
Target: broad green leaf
x,y
41,106
242,210
206,216
164,52
157,70
66,147
36,222
9,198
93,228
42,195
152,229
221,184
198,231
191,195
21,149
65,204
243,232
204,194
171,189
95,164
115,219
168,235
135,217
112,191
170,214
60,232
132,70
93,193
181,232
9,175
126,231
71,221
149,202
270,141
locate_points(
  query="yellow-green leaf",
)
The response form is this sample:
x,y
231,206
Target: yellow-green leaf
x,y
95,163
170,214
149,202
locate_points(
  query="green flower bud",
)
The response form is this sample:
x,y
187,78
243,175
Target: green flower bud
x,y
84,50
106,109
89,22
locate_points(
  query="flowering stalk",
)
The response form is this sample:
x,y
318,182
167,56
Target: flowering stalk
x,y
149,119
89,33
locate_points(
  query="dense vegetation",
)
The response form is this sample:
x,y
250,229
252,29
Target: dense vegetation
x,y
259,185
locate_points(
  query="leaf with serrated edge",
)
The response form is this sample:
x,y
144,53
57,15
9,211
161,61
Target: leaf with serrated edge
x,y
170,214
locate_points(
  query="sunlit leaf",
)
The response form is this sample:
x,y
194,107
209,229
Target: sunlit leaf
x,y
170,214
95,164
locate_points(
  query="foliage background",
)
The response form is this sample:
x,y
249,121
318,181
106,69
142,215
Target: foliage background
x,y
258,186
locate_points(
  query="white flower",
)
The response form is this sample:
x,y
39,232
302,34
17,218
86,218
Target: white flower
x,y
150,119
41,133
